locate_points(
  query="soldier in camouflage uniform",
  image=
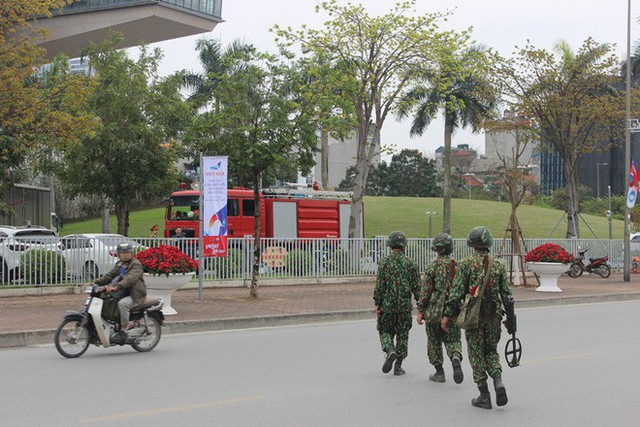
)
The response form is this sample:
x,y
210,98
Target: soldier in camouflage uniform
x,y
482,342
436,282
398,278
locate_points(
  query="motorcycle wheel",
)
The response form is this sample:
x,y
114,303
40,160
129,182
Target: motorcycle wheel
x,y
575,271
149,340
604,271
71,339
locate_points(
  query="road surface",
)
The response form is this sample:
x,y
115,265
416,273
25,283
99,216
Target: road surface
x,y
580,367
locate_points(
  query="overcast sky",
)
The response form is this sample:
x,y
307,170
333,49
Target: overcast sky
x,y
499,24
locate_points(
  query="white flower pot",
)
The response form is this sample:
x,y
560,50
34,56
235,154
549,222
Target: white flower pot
x,y
164,286
548,273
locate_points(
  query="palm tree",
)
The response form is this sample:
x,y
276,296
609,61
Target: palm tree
x,y
466,102
635,66
216,63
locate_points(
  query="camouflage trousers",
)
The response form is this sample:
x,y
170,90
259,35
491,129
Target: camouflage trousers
x,y
395,325
482,345
436,337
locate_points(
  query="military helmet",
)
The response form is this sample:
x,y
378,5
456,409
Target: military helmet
x,y
480,238
442,244
124,247
397,239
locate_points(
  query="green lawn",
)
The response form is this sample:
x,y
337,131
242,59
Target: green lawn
x,y
386,214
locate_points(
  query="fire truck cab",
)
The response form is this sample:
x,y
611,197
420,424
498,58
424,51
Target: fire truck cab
x,y
284,213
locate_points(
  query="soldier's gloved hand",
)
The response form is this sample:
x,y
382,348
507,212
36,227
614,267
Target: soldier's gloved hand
x,y
511,324
443,324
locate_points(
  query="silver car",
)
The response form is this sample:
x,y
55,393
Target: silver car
x,y
89,256
17,241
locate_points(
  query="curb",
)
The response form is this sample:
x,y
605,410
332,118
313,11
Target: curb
x,y
45,336
41,337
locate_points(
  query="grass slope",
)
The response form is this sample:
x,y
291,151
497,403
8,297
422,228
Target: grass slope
x,y
386,214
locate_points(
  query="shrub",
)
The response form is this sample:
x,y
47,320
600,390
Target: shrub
x,y
299,263
342,262
42,266
225,267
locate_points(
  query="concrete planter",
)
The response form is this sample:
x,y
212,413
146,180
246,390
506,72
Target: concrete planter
x,y
548,273
164,286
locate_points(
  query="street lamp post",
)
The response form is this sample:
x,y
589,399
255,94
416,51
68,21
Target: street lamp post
x,y
468,176
598,177
431,215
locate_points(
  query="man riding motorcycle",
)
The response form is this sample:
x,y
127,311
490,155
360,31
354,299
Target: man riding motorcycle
x,y
126,280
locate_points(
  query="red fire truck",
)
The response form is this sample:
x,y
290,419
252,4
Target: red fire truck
x,y
284,213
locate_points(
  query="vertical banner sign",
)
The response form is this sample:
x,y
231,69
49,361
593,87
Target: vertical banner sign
x,y
632,192
214,196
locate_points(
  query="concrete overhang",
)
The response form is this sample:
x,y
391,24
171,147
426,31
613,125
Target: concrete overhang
x,y
147,23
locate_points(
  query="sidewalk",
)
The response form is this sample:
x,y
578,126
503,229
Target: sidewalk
x,y
30,320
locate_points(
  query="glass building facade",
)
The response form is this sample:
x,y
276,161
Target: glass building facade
x,y
207,8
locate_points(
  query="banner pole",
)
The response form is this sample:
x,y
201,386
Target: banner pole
x,y
200,230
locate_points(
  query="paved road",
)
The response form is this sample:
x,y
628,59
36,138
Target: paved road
x,y
581,367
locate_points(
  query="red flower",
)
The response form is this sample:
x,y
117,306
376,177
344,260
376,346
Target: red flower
x,y
549,252
166,259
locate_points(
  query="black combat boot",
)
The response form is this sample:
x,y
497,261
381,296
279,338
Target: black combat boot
x,y
397,369
439,375
484,400
458,376
391,356
501,392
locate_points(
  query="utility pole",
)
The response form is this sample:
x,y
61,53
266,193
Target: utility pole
x,y
609,213
627,154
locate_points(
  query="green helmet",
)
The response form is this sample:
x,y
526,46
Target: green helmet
x,y
442,244
397,239
480,238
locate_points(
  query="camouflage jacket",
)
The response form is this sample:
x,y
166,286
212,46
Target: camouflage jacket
x,y
436,280
470,273
398,278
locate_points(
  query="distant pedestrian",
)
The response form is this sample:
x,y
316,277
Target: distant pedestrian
x,y
476,271
436,283
398,278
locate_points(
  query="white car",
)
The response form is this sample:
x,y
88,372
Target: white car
x,y
89,256
15,241
634,238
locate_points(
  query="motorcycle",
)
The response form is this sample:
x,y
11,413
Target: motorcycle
x,y
599,266
88,326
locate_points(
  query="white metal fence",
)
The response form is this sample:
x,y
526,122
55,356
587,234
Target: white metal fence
x,y
69,261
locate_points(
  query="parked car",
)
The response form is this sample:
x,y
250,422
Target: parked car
x,y
15,241
635,238
88,256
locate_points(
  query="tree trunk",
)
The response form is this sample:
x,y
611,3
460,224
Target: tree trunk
x,y
360,180
51,182
573,202
255,271
106,225
446,203
324,158
122,217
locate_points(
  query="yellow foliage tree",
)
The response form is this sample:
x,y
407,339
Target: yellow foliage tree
x,y
39,112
